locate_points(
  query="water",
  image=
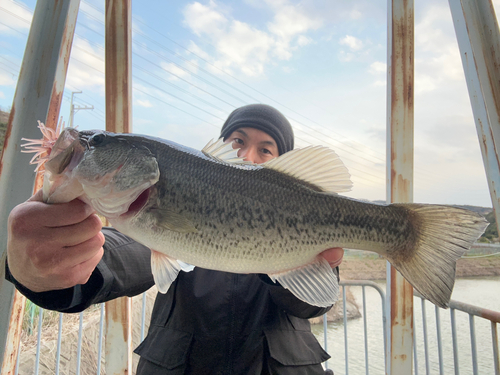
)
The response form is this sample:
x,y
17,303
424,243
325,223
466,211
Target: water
x,y
482,292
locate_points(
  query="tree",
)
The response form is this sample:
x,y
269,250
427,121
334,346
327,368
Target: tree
x,y
491,232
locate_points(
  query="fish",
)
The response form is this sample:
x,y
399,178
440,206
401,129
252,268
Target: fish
x,y
213,210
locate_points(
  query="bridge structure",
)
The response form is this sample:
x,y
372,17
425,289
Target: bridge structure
x,y
39,95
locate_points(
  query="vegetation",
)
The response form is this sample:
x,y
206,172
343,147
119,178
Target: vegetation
x,y
491,232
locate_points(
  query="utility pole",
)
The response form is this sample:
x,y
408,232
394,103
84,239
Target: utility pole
x,y
75,109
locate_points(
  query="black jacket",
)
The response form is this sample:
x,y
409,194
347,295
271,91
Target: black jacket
x,y
209,322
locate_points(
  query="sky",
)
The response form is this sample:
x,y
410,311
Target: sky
x,y
321,63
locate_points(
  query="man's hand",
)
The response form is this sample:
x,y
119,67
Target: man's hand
x,y
333,256
55,246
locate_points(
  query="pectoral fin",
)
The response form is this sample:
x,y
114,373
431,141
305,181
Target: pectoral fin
x,y
171,220
314,283
166,269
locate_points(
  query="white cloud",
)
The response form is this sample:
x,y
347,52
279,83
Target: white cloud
x,y
437,57
378,67
86,68
352,42
175,71
244,47
15,17
193,47
356,49
303,41
6,79
203,19
2,95
93,18
346,56
144,103
291,22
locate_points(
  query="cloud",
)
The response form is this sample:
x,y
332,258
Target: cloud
x,y
352,42
15,17
203,19
437,57
243,47
175,71
378,67
93,18
2,95
144,103
6,79
290,22
346,56
356,49
86,67
304,41
193,47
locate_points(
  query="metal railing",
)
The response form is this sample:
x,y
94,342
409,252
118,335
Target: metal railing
x,y
446,342
451,357
472,311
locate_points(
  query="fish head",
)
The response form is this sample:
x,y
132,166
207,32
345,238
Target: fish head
x,y
111,172
115,172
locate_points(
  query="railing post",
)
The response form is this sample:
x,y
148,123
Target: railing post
x,y
118,346
400,172
38,97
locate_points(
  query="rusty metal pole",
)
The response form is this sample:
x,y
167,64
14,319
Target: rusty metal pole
x,y
476,27
400,173
38,97
119,120
17,313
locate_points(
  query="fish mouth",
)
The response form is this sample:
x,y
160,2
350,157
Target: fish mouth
x,y
138,204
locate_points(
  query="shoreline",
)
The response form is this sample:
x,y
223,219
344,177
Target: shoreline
x,y
374,268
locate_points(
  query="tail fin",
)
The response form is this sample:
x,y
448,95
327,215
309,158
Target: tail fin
x,y
445,233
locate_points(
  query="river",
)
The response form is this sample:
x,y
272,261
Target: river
x,y
482,292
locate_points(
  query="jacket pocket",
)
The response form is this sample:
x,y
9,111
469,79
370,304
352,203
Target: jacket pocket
x,y
166,347
295,348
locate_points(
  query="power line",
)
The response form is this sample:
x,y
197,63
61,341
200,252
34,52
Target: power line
x,y
176,54
316,133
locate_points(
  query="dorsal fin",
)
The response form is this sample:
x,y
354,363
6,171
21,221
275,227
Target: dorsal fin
x,y
222,151
317,165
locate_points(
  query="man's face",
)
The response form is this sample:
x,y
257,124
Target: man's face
x,y
254,145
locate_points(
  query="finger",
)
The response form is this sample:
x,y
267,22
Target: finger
x,y
78,274
333,256
54,215
72,256
71,235
85,269
37,197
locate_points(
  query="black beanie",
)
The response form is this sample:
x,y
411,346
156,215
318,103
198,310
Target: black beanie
x,y
262,117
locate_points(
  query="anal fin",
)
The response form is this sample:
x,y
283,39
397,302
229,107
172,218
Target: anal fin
x,y
314,283
165,270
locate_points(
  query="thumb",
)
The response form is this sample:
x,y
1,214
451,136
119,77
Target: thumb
x,y
37,197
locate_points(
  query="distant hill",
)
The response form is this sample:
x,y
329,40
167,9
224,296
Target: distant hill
x,y
4,118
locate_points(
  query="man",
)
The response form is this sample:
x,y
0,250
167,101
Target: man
x,y
209,322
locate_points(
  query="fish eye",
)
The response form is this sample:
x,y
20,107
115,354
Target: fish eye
x,y
96,139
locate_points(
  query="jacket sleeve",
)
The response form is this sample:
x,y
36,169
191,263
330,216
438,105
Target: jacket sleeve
x,y
284,299
124,270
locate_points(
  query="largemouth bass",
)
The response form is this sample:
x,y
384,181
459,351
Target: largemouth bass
x,y
212,210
